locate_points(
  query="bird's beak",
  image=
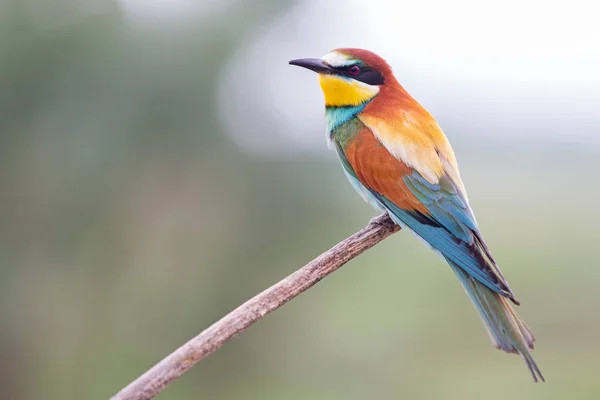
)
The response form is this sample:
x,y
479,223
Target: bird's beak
x,y
314,64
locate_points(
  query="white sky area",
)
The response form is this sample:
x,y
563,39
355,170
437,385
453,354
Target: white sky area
x,y
520,57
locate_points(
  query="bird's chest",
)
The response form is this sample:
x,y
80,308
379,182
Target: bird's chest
x,y
346,131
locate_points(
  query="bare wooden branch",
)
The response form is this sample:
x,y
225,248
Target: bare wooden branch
x,y
181,360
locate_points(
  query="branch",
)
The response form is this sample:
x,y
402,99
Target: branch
x,y
181,360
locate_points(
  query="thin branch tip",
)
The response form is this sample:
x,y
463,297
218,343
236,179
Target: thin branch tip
x,y
185,357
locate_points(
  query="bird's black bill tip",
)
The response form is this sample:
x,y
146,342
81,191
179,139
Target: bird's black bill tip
x,y
314,64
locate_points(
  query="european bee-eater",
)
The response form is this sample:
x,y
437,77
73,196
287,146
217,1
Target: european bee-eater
x,y
398,159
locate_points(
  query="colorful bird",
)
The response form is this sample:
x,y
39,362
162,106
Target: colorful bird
x,y
398,159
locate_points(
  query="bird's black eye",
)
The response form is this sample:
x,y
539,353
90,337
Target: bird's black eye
x,y
354,70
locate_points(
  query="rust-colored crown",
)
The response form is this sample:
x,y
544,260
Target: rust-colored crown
x,y
369,58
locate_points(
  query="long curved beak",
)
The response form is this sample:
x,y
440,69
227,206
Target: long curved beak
x,y
314,64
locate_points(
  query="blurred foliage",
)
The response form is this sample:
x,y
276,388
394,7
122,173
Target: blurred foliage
x,y
130,223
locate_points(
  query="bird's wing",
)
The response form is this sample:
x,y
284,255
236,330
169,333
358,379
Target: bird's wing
x,y
438,212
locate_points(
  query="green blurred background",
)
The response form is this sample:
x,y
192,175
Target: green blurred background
x,y
161,163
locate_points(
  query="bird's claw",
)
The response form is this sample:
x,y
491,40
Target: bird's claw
x,y
380,220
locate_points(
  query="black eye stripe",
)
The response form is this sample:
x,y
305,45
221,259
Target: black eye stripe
x,y
366,74
370,77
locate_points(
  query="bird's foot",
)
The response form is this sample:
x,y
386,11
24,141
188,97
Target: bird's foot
x,y
382,219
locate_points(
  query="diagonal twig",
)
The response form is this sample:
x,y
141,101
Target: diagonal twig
x,y
185,357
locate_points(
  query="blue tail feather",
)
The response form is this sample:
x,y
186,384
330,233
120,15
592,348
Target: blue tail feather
x,y
506,329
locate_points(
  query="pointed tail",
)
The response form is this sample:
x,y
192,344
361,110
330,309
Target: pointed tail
x,y
506,329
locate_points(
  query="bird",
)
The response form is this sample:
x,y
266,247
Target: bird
x,y
396,156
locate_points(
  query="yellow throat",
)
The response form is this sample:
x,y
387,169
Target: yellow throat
x,y
341,92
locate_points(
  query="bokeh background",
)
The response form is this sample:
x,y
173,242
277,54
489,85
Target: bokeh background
x,y
160,163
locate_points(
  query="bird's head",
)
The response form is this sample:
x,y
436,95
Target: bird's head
x,y
349,77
